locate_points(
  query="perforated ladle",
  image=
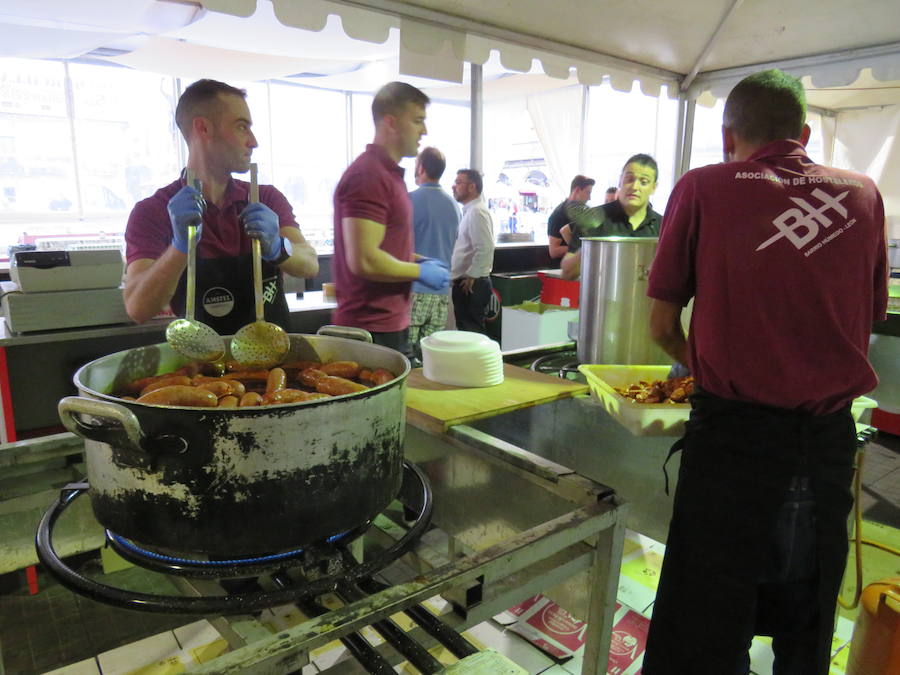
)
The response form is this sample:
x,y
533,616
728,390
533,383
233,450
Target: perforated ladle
x,y
260,344
189,337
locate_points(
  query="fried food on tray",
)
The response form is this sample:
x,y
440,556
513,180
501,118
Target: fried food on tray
x,y
675,390
230,387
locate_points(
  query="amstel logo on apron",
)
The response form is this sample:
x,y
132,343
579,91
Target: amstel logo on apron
x,y
218,301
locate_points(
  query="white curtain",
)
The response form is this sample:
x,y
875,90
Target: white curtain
x,y
867,141
556,116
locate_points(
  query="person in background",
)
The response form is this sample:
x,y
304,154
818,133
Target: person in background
x,y
610,194
630,215
435,224
473,254
374,264
786,262
215,121
580,193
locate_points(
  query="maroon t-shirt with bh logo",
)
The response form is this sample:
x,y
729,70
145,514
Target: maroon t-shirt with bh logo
x,y
786,261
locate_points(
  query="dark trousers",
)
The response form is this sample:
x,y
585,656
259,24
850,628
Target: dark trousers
x,y
757,543
470,309
398,340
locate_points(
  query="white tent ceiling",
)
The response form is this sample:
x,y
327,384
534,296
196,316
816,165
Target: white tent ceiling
x,y
850,52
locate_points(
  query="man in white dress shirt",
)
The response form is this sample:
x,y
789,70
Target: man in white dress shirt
x,y
473,254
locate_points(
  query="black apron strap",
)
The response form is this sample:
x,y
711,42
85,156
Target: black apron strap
x,y
677,446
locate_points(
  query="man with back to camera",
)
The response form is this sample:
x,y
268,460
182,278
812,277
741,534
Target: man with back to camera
x,y
435,224
580,193
374,263
786,262
215,121
473,254
630,215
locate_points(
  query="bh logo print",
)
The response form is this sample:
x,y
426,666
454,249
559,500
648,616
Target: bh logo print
x,y
801,225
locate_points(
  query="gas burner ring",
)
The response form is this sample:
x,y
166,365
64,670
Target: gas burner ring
x,y
217,569
415,493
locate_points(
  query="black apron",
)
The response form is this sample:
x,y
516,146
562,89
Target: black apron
x,y
225,299
738,463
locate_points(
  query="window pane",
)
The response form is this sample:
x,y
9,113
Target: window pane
x,y
309,132
125,137
815,148
516,185
363,127
706,147
37,172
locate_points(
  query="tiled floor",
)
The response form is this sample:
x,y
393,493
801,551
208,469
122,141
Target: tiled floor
x,y
56,627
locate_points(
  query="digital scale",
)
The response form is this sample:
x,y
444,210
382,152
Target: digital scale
x,y
52,289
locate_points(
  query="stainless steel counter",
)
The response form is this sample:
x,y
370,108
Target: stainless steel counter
x,y
511,525
579,434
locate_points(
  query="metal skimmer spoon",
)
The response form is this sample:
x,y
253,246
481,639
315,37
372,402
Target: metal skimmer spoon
x,y
187,336
260,344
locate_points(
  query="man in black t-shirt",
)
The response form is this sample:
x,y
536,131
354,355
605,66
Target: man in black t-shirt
x,y
630,215
579,193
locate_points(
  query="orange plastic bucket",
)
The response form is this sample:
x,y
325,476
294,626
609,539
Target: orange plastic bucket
x,y
875,647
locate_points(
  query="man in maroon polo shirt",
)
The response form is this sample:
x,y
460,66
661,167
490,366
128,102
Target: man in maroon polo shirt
x,y
787,264
215,121
374,264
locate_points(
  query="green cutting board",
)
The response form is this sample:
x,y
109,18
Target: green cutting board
x,y
435,407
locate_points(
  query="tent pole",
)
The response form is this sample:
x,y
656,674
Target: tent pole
x,y
476,108
685,131
583,131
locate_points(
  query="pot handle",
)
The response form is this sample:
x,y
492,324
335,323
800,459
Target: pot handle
x,y
120,429
345,332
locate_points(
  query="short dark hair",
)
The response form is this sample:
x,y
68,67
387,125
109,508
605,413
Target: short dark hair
x,y
433,163
392,98
767,106
643,160
580,182
473,177
612,189
199,100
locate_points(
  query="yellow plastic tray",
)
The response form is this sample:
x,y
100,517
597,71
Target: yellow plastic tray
x,y
641,419
653,419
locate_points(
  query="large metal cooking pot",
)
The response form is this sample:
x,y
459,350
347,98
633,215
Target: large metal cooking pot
x,y
613,307
244,480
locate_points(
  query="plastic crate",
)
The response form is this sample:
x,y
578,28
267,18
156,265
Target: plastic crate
x,y
654,419
556,291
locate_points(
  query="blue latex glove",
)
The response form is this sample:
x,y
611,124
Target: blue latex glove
x,y
678,370
434,274
185,208
261,222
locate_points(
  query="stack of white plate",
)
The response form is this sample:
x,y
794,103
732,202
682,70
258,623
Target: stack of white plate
x,y
462,359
